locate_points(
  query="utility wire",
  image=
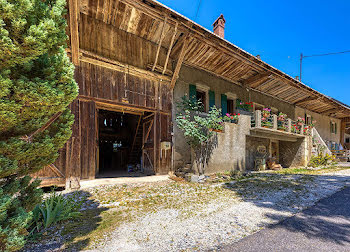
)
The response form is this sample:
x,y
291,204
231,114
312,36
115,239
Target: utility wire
x,y
199,4
325,54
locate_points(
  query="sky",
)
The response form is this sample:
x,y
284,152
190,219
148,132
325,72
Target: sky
x,y
279,30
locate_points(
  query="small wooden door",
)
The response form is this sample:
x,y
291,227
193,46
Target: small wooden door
x,y
148,147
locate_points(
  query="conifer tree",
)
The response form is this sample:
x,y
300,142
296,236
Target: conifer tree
x,y
36,82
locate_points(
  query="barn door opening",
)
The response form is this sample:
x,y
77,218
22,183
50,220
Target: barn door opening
x,y
148,146
119,144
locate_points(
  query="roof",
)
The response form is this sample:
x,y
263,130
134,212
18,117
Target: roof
x,y
205,50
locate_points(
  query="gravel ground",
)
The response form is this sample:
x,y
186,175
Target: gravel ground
x,y
179,216
224,220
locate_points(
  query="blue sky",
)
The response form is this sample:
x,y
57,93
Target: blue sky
x,y
279,30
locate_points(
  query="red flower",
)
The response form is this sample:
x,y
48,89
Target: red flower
x,y
238,114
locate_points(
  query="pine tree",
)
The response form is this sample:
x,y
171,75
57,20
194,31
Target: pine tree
x,y
36,82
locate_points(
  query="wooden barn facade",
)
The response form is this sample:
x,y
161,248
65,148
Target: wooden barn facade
x,y
125,77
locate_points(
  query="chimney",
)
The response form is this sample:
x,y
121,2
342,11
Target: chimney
x,y
258,56
219,26
297,78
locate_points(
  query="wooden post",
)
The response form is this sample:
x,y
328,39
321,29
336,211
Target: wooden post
x,y
169,49
159,44
342,132
274,117
257,118
179,63
289,125
74,30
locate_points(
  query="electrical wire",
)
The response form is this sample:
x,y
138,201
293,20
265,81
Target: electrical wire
x,y
326,54
199,4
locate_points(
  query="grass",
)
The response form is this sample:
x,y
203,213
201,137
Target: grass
x,y
308,171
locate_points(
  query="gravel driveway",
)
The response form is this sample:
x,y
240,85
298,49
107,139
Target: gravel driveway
x,y
260,201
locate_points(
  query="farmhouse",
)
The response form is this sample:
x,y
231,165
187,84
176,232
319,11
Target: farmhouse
x,y
135,58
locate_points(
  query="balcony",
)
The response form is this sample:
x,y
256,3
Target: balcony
x,y
275,127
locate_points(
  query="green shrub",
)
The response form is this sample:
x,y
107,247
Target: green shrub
x,y
36,82
54,209
321,160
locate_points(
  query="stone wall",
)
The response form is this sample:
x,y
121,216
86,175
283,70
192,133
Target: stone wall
x,y
251,150
230,152
294,154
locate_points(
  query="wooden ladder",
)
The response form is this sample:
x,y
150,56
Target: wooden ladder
x,y
136,144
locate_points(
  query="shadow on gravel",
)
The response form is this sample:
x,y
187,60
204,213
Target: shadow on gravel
x,y
328,220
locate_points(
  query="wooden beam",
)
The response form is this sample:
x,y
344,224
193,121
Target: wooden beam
x,y
169,49
179,62
306,100
328,111
160,43
256,80
118,106
74,30
95,59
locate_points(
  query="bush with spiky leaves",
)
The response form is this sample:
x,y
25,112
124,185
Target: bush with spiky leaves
x,y
36,82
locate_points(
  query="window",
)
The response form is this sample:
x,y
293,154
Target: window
x,y
230,106
308,119
200,95
347,140
333,127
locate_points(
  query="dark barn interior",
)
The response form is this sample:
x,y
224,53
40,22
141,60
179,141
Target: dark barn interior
x,y
119,145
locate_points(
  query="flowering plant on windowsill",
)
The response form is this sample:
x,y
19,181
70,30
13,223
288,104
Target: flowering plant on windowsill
x,y
245,106
231,118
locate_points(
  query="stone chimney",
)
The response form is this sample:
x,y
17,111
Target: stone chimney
x,y
219,26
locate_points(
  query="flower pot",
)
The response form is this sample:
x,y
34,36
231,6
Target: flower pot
x,y
217,130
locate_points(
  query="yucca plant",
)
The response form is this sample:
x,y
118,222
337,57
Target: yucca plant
x,y
56,208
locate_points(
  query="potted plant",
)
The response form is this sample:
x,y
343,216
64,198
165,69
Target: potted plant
x,y
231,118
280,121
244,106
266,123
266,112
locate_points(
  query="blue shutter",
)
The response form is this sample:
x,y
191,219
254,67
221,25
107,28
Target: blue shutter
x,y
211,99
192,92
223,104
